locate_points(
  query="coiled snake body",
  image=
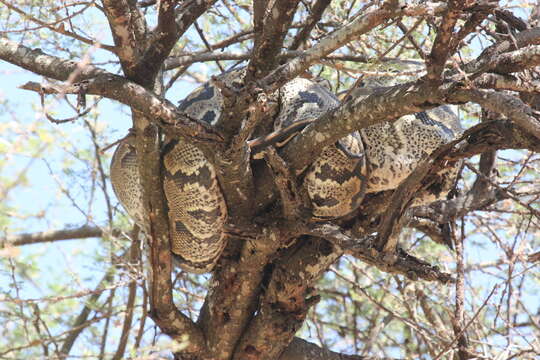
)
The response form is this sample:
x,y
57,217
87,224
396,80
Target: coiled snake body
x,y
374,159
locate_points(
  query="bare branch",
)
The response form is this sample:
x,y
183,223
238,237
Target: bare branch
x,y
187,59
82,232
389,9
364,249
80,322
317,11
510,106
59,29
134,258
161,111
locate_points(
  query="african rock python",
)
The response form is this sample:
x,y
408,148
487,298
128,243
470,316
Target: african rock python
x,y
384,154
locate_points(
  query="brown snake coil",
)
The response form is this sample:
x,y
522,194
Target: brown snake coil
x,y
335,182
197,210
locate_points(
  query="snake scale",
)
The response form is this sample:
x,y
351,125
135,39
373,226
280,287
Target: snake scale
x,y
374,159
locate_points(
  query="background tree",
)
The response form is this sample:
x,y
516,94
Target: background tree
x,y
282,290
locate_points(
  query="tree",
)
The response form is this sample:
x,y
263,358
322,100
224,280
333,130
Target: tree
x,y
374,301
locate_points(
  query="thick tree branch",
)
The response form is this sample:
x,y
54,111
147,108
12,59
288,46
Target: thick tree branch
x,y
447,41
485,61
506,82
495,135
40,63
269,41
442,45
524,58
284,306
229,306
163,311
189,12
510,106
161,40
128,28
259,10
160,111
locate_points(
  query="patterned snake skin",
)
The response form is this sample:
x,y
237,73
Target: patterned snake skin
x,y
197,210
375,159
395,149
336,180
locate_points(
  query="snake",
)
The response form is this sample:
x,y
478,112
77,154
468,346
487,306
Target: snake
x,y
370,160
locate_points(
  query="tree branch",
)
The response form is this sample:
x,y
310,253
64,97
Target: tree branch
x,y
161,112
269,41
82,232
191,11
488,57
163,310
59,29
188,59
517,60
80,322
442,45
128,28
389,9
40,63
284,305
160,41
229,307
447,41
510,106
364,249
134,258
317,11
